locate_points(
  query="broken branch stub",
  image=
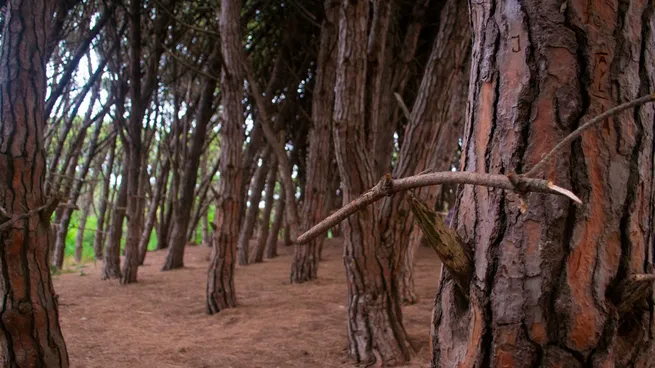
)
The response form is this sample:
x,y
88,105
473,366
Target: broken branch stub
x,y
455,255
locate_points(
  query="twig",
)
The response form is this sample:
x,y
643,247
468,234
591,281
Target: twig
x,y
388,186
584,127
7,224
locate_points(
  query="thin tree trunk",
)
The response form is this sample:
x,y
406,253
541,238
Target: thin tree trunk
x,y
30,335
304,266
262,234
437,110
86,209
375,326
99,240
273,234
220,277
166,214
152,211
252,213
182,216
111,268
548,281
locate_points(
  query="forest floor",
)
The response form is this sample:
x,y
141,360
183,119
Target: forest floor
x,y
160,322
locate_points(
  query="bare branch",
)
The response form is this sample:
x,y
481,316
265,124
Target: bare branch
x,y
584,127
388,186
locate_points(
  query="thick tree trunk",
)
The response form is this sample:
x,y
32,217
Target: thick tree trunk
x,y
182,216
111,268
252,213
220,277
276,225
262,233
375,326
546,283
306,256
99,240
30,335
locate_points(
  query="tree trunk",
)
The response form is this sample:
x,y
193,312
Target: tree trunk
x,y
304,266
262,233
375,326
220,277
547,283
430,137
86,209
166,214
273,234
112,262
99,240
252,213
152,211
182,216
30,335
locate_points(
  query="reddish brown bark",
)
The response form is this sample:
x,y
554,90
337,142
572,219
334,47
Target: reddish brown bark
x,y
544,284
220,278
375,328
30,335
306,256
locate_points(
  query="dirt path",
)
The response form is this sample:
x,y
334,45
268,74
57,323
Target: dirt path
x,y
161,322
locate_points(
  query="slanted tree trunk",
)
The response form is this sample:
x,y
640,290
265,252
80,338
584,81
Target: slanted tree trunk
x,y
152,211
99,240
166,215
437,109
547,285
262,234
306,256
86,209
220,277
134,149
182,216
252,213
111,268
276,225
30,335
375,327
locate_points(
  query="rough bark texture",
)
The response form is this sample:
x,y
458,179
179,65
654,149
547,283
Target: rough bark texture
x,y
151,217
220,278
540,295
375,329
182,216
252,213
305,256
30,335
264,223
436,121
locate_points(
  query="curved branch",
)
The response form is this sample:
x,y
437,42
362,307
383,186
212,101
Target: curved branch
x,y
388,186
